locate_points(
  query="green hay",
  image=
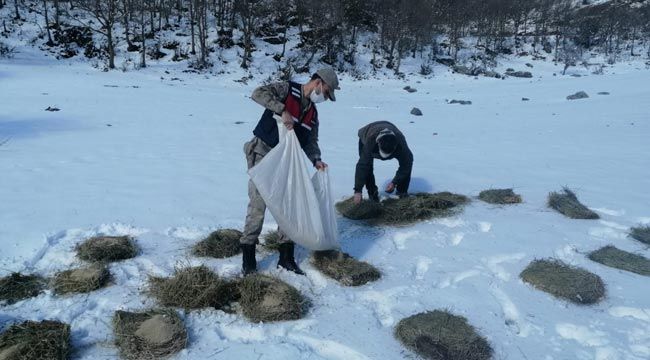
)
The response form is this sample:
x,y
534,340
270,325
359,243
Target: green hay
x,y
344,268
619,259
81,280
30,340
220,244
442,336
107,248
153,334
500,196
266,299
563,281
641,233
194,288
420,207
567,204
366,210
16,287
272,240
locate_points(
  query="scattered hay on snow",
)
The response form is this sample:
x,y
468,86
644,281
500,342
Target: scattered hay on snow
x,y
193,288
641,233
404,210
45,340
266,299
81,280
442,336
366,210
500,196
272,240
220,244
563,281
344,268
619,259
567,204
16,287
149,335
421,206
107,248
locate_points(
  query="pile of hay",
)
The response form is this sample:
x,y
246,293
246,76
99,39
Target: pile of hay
x,y
45,340
16,287
272,240
442,336
404,210
107,248
220,244
344,268
265,299
366,210
641,233
563,281
194,288
567,204
616,258
500,196
421,206
81,280
152,334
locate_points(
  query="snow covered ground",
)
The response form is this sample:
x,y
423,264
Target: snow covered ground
x,y
159,156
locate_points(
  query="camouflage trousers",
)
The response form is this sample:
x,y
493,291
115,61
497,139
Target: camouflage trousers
x,y
255,150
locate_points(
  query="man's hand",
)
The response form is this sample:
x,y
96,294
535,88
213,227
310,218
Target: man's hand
x,y
320,165
357,198
390,187
287,120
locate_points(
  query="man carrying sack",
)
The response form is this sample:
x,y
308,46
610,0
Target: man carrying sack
x,y
382,140
296,104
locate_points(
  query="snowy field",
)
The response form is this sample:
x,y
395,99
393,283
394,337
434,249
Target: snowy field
x,y
159,156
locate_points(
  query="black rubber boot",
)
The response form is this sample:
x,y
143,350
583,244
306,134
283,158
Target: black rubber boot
x,y
287,260
249,264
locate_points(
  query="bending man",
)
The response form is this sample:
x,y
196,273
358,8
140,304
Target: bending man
x,y
382,140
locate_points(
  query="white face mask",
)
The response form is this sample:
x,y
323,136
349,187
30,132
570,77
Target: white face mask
x,y
317,97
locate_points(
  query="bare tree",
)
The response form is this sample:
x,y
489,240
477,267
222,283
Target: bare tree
x,y
249,13
107,13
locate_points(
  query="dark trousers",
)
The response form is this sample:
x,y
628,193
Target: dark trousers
x,y
371,185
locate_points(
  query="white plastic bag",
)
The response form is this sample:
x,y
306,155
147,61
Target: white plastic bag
x,y
302,208
321,182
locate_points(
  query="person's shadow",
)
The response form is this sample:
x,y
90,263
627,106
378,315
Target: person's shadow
x,y
418,185
358,236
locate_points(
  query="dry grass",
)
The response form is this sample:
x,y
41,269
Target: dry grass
x,y
619,259
30,340
153,334
500,196
16,287
406,210
272,240
266,299
420,207
566,202
344,268
194,288
563,281
364,211
81,280
107,248
641,233
220,244
442,336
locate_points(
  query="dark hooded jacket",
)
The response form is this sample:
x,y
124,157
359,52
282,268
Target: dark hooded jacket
x,y
369,150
